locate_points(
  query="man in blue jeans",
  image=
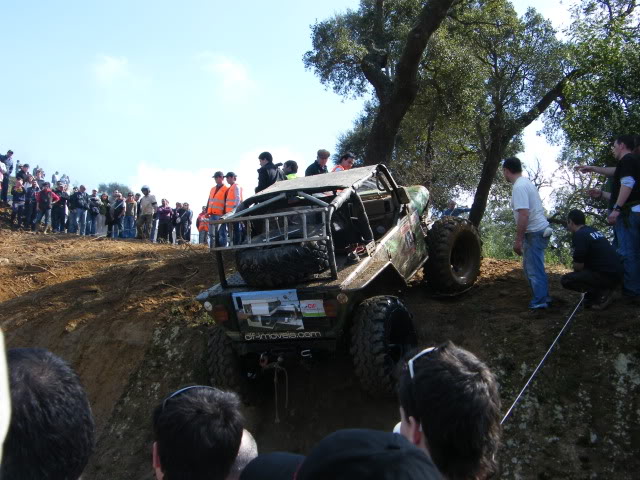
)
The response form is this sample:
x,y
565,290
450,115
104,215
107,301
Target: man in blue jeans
x,y
624,208
532,232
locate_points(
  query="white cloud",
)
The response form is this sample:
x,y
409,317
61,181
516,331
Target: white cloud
x,y
108,69
232,76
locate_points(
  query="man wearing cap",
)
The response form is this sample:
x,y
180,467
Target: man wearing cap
x,y
320,164
268,173
148,209
8,163
215,208
348,455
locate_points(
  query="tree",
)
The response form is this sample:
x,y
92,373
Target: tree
x,y
363,41
605,101
509,70
112,187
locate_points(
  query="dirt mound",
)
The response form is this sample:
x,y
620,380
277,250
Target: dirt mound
x,y
122,313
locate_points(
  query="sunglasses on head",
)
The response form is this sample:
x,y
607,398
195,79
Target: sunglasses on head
x,y
416,357
181,391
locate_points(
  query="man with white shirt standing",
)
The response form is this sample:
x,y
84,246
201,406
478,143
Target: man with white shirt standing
x,y
532,231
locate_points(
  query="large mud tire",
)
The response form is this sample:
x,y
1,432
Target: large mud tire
x,y
223,364
283,265
454,255
381,335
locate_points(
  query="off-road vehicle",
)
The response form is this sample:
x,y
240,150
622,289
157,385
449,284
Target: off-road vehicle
x,y
316,259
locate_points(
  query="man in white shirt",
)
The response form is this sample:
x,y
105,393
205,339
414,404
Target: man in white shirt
x,y
148,209
532,231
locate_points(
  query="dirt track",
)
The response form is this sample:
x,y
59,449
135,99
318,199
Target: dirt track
x,y
122,314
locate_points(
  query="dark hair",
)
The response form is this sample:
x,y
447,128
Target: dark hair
x,y
265,156
636,149
513,164
291,165
628,141
577,217
198,433
455,398
51,435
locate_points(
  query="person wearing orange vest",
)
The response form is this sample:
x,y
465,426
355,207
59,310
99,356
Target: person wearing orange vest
x,y
345,162
215,207
232,200
202,224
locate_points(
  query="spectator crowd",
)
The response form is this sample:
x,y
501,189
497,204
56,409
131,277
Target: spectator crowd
x,y
38,205
449,428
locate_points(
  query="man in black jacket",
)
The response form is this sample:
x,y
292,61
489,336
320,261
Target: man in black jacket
x,y
268,173
596,266
320,165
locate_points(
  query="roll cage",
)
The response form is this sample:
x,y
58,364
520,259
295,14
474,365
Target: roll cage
x,y
320,196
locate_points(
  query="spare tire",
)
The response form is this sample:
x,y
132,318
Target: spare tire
x,y
454,255
282,265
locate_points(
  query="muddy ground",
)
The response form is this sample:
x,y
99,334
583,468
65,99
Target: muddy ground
x,y
122,314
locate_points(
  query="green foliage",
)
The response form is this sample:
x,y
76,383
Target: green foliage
x,y
605,101
483,68
112,187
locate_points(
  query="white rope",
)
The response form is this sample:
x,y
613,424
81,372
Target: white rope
x,y
543,359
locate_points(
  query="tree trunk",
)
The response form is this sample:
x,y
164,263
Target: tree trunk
x,y
398,94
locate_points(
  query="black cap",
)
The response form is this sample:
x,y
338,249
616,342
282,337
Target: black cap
x,y
230,174
218,174
348,454
272,466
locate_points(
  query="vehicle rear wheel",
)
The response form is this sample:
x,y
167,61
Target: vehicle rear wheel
x,y
382,333
281,265
454,255
225,370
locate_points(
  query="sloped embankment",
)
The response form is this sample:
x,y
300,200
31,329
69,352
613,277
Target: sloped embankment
x,y
122,314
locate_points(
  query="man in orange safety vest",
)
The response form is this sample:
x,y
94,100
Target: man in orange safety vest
x,y
215,208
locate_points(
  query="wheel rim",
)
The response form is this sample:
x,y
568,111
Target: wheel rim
x,y
464,255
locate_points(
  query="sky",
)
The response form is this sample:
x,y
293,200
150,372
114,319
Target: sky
x,y
165,93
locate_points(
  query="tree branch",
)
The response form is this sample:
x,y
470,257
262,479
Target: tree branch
x,y
534,112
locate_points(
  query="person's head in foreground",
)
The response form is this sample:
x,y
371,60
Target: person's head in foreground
x,y
348,455
51,434
197,434
450,408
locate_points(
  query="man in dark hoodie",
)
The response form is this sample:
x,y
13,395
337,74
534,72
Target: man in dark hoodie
x,y
268,173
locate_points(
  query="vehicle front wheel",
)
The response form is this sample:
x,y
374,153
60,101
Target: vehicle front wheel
x,y
454,255
381,335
